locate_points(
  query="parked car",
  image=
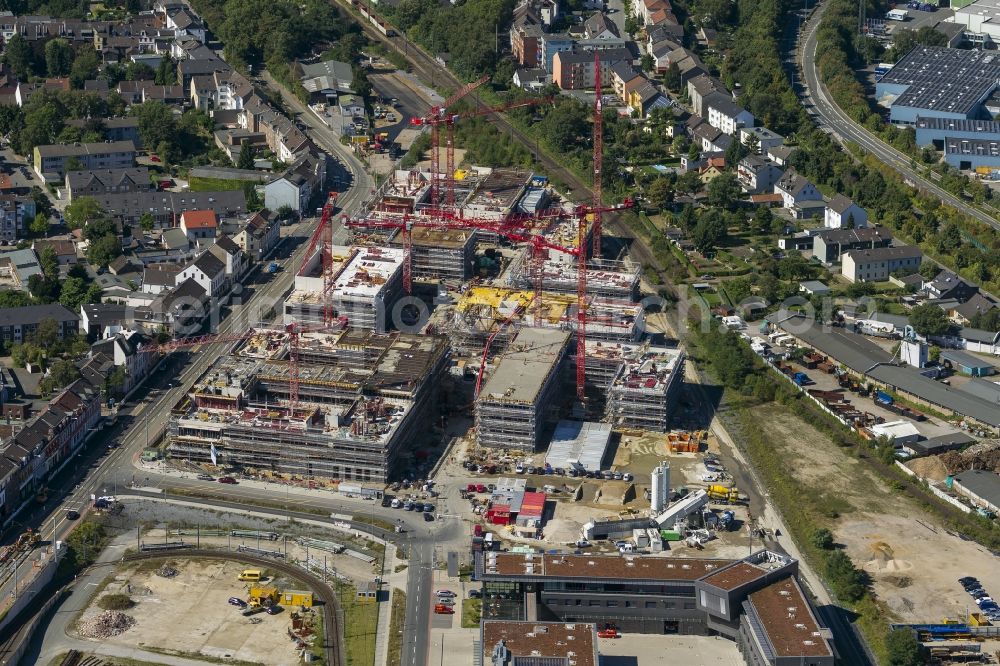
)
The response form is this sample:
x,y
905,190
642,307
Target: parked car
x,y
475,594
445,593
228,479
446,601
444,610
428,517
418,507
206,477
273,610
72,515
236,601
428,508
627,476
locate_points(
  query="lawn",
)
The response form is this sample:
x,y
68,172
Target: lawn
x,y
360,626
472,612
214,184
396,627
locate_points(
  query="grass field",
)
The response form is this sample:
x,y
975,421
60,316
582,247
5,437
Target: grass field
x,y
214,184
472,612
396,620
360,626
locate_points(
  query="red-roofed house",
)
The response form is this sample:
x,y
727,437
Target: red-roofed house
x,y
198,224
529,518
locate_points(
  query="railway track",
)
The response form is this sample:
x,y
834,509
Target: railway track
x,y
428,69
333,646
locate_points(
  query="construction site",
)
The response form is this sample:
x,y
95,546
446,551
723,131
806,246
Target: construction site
x,y
330,404
497,278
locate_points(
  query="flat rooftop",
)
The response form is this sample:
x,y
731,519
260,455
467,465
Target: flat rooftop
x,y
735,576
958,124
368,271
943,79
540,642
585,442
525,368
646,368
989,10
782,610
441,238
603,567
499,190
972,147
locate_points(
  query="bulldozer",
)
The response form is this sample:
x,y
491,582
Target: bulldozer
x,y
724,494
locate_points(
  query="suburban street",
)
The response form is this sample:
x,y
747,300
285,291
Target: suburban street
x,y
830,116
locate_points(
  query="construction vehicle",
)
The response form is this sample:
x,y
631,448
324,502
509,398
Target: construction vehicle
x,y
724,494
263,596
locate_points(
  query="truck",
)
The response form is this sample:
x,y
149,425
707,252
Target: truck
x,y
724,494
357,490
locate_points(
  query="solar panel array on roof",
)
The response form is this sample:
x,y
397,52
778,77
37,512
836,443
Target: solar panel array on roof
x,y
943,79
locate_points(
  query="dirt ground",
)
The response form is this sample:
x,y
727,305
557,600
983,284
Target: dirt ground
x,y
193,605
914,563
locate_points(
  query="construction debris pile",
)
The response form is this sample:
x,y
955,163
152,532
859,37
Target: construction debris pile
x,y
106,625
984,455
166,571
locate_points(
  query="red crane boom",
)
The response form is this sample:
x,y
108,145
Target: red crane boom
x,y
598,153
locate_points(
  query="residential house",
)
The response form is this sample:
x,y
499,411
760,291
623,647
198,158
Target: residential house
x,y
553,43
574,70
711,139
17,267
199,224
128,349
232,255
159,278
642,96
780,154
107,181
166,207
762,137
112,129
19,324
208,271
297,186
726,114
180,311
876,265
99,321
186,22
65,249
600,26
841,211
829,244
534,78
259,235
699,88
622,73
15,212
795,189
757,175
52,161
978,304
138,92
526,44
351,106
947,285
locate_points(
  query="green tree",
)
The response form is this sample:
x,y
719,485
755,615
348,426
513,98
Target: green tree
x,y
147,222
253,199
58,57
709,232
929,319
844,577
73,294
248,154
157,125
794,266
19,56
39,225
10,298
822,538
987,321
82,211
903,648
672,77
724,191
648,64
166,73
49,261
660,192
104,250
46,334
85,66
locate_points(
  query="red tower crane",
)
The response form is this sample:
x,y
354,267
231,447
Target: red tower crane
x,y
598,153
437,116
323,238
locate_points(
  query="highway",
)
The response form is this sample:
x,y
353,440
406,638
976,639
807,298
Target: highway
x,y
830,117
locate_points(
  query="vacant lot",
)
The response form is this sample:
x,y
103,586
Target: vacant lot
x,y
914,563
189,614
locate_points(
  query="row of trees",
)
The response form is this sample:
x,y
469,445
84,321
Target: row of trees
x,y
43,119
55,57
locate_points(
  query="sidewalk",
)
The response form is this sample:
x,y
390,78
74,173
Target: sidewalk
x,y
385,608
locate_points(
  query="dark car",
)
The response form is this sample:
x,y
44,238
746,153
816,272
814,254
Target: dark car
x,y
428,508
236,601
387,500
273,610
72,515
418,506
968,579
428,517
475,594
228,479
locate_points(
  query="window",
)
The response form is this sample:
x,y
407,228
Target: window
x,y
594,602
689,605
629,604
650,604
612,604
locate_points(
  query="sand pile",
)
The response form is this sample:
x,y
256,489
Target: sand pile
x,y
107,624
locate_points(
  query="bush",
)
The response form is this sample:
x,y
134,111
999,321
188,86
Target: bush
x,y
118,602
822,538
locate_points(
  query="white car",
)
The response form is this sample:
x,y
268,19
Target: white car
x,y
445,593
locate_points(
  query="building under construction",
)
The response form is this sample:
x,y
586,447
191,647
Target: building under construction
x,y
521,395
362,398
482,311
610,279
366,283
646,385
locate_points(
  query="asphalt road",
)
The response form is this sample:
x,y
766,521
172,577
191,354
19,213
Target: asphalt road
x,y
829,116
